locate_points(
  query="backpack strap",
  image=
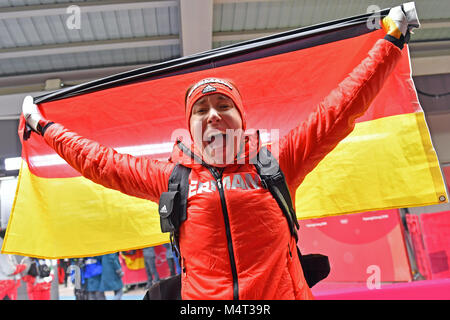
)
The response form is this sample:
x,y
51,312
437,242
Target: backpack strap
x,y
273,179
173,204
179,181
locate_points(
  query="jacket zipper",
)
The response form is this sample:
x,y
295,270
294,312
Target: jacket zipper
x,y
218,177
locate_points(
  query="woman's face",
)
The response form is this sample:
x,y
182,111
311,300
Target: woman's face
x,y
216,127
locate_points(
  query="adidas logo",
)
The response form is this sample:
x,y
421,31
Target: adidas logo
x,y
163,209
208,88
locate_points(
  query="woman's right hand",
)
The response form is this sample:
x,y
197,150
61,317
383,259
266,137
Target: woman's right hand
x,y
401,20
32,114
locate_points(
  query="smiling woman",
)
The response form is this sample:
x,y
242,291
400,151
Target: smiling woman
x,y
216,127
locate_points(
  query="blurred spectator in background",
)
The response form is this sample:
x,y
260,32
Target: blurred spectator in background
x,y
111,277
76,271
150,266
39,278
63,264
9,273
93,275
170,259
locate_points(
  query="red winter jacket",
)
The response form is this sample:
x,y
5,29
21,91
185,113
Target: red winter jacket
x,y
238,246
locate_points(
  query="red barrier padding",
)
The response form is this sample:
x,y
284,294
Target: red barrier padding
x,y
436,237
421,256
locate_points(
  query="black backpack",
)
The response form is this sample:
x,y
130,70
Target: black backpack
x,y
172,210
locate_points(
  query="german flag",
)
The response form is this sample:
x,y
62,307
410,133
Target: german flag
x,y
388,161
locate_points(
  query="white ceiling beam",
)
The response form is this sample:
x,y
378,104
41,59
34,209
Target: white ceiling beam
x,y
422,66
11,105
430,57
427,48
434,23
13,89
196,18
254,34
85,7
92,46
36,82
9,83
245,35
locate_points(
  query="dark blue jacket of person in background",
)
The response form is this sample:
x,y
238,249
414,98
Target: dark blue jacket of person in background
x,y
111,279
92,272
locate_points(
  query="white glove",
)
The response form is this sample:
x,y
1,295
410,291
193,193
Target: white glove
x,y
402,21
411,15
31,113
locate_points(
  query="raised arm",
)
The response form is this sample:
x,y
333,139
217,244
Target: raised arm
x,y
139,177
306,145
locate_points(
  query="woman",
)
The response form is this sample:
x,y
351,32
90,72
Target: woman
x,y
235,243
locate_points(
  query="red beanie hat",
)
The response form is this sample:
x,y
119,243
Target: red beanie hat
x,y
211,86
